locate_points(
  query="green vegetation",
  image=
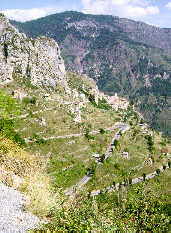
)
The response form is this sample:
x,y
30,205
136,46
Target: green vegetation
x,y
62,160
7,129
144,209
9,107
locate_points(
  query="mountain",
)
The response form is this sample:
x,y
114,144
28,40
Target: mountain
x,y
86,161
121,55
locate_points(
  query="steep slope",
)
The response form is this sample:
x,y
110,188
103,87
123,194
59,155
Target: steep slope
x,y
121,55
82,140
63,23
37,60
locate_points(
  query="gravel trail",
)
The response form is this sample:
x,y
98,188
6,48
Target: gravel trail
x,y
13,216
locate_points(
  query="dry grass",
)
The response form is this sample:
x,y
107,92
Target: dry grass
x,y
15,163
15,159
41,196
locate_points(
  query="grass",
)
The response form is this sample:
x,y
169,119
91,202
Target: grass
x,y
15,159
116,168
17,165
61,163
70,158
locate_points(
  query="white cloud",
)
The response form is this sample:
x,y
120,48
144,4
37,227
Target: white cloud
x,y
152,10
168,5
136,12
28,14
124,8
97,6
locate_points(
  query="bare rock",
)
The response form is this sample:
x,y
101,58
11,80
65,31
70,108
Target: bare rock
x,y
38,60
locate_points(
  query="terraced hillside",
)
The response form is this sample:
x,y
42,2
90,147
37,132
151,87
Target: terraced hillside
x,y
73,150
86,161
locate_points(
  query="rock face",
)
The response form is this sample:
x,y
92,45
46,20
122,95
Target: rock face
x,y
38,60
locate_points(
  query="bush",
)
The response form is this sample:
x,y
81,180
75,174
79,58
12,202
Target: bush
x,y
91,170
116,143
7,129
130,180
144,176
102,158
152,158
132,102
158,171
87,135
104,105
164,167
38,140
102,131
116,165
150,142
113,183
28,100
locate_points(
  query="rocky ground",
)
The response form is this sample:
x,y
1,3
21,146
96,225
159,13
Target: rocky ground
x,y
13,216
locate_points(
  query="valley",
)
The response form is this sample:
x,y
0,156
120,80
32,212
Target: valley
x,y
85,161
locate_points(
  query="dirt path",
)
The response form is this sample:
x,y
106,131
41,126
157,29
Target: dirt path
x,y
27,140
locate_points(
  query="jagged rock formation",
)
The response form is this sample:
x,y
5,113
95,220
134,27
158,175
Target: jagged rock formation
x,y
38,60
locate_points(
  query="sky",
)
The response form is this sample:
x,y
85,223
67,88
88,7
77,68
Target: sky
x,y
154,12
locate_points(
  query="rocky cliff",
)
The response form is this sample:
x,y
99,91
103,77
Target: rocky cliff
x,y
37,60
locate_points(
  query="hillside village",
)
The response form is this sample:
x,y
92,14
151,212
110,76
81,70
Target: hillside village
x,y
71,154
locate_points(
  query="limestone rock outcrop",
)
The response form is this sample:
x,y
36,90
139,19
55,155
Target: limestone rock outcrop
x,y
38,60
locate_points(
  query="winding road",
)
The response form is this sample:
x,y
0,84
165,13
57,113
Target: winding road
x,y
134,181
122,128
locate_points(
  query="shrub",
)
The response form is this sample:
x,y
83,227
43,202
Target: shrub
x,y
7,129
102,131
116,165
130,180
152,158
91,170
28,100
116,143
150,142
132,102
102,158
144,176
33,100
158,171
104,105
164,167
87,135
